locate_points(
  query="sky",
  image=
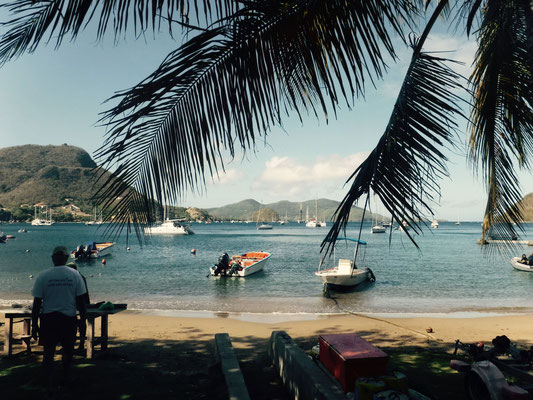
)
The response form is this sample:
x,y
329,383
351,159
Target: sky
x,y
56,96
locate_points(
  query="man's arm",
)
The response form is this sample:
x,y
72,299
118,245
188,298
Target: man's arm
x,y
35,311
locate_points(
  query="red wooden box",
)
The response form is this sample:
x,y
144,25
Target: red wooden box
x,y
348,357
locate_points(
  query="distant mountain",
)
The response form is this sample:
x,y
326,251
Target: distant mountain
x,y
527,204
244,210
33,174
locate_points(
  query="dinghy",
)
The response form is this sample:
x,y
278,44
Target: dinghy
x,y
515,262
92,250
240,265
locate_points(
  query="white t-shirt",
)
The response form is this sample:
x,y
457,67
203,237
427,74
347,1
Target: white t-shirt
x,y
58,287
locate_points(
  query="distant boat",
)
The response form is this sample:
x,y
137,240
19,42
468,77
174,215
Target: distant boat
x,y
378,229
38,221
314,222
92,250
243,264
515,262
435,224
264,226
457,223
169,227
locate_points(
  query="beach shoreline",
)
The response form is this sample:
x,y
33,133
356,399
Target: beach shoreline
x,y
145,343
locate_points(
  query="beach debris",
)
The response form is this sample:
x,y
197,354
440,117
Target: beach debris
x,y
430,330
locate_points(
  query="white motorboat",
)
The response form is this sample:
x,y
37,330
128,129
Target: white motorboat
x,y
346,272
264,226
515,262
169,227
378,229
240,265
435,224
92,250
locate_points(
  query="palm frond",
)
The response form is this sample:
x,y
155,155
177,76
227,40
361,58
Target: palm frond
x,y
404,169
231,83
34,22
502,115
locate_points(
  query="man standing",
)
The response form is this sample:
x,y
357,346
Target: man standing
x,y
57,293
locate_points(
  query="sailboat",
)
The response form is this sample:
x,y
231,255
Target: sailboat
x,y
262,225
284,221
314,222
377,228
92,222
38,221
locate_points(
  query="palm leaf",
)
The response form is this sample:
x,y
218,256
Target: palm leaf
x,y
231,83
502,116
34,22
404,169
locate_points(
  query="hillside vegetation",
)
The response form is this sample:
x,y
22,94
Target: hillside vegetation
x,y
248,209
33,174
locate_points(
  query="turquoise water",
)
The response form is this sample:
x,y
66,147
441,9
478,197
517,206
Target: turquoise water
x,y
450,272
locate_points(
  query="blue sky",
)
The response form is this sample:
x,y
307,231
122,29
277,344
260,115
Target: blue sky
x,y
55,97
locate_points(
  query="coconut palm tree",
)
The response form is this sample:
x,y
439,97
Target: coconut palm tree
x,y
245,66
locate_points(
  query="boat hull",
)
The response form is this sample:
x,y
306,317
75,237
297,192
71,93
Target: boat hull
x,y
378,229
515,262
252,262
332,277
103,249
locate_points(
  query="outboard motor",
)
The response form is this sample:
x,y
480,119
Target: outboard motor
x,y
222,265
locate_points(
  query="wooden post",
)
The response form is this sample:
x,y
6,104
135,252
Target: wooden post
x,y
90,336
104,336
26,337
8,340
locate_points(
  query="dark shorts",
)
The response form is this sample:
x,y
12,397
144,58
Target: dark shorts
x,y
57,328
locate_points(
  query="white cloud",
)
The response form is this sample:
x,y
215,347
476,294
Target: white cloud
x,y
286,177
229,177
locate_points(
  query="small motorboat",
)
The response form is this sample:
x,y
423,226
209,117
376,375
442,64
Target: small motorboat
x,y
240,265
264,226
345,272
92,250
515,262
378,229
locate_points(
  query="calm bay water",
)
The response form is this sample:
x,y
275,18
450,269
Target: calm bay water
x,y
450,272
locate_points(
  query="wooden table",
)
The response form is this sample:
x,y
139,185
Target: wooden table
x,y
93,313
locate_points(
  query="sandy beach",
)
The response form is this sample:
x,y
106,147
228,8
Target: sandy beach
x,y
171,356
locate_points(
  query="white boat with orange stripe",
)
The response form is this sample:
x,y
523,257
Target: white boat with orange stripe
x,y
240,265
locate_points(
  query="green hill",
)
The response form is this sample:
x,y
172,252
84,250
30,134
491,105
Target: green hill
x,y
33,174
246,209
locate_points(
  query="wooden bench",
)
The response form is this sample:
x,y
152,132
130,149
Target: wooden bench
x,y
11,338
231,370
